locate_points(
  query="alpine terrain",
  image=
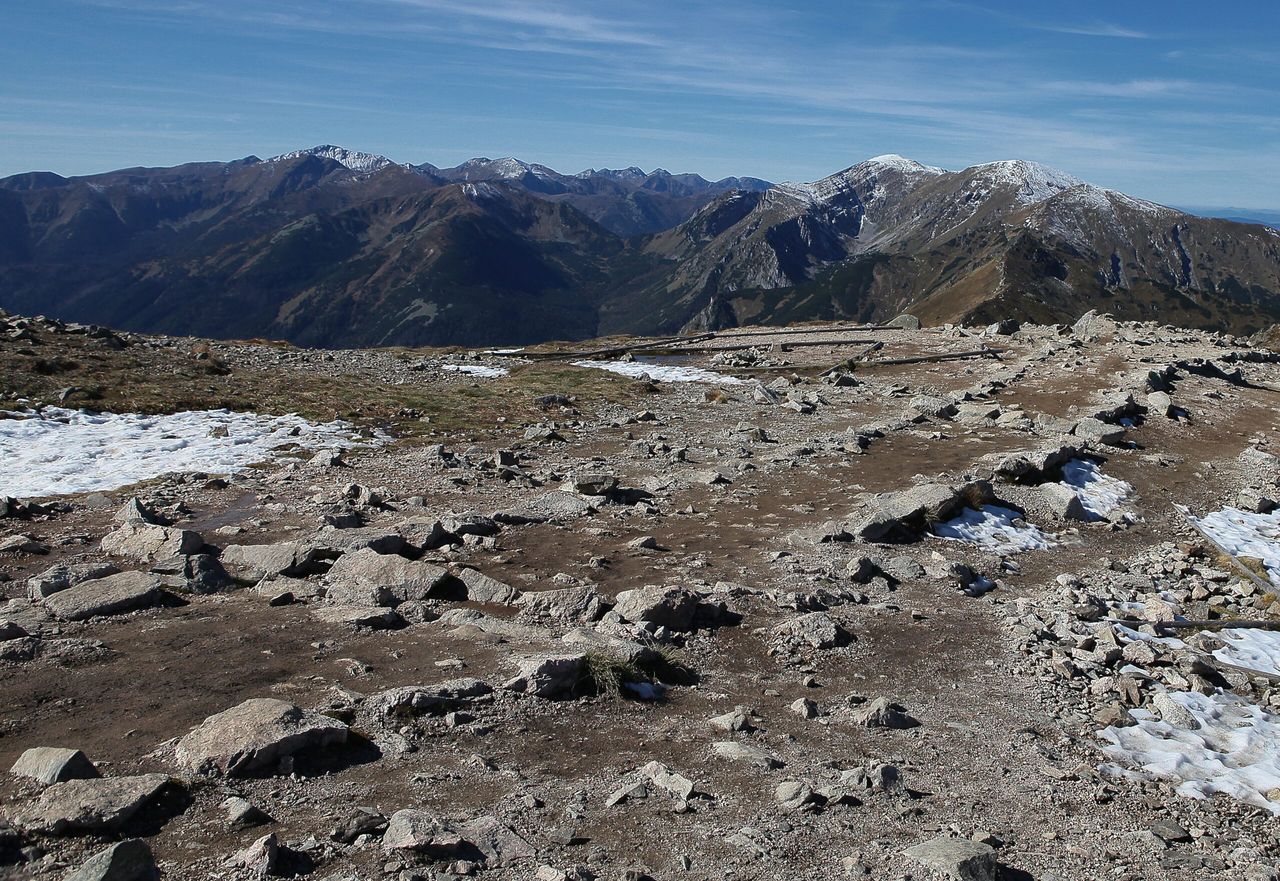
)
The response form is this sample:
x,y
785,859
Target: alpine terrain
x,y
332,247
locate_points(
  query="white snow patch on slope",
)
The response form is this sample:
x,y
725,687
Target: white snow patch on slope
x,y
68,451
1250,648
1245,534
1235,751
662,372
481,370
1098,493
994,529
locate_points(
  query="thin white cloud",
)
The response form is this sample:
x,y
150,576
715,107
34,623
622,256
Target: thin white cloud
x,y
1095,30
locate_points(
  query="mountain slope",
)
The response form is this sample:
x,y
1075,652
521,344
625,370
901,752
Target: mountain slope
x,y
307,249
999,239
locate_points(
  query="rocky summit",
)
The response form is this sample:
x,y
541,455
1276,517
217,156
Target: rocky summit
x,y
913,600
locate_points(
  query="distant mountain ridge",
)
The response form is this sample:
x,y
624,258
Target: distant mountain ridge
x,y
1260,216
335,247
627,202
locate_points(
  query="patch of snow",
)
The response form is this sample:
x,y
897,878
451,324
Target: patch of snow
x,y
62,451
1245,534
662,372
478,190
1234,751
994,529
515,351
481,370
1098,493
1250,648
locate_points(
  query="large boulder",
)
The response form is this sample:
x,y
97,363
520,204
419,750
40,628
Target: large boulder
x,y
957,858
113,595
548,676
671,607
1098,432
1092,326
594,642
255,562
480,588
426,533
907,514
499,844
128,860
562,604
97,805
147,542
883,713
254,736
366,577
421,833
548,507
816,629
1031,466
136,511
332,542
1060,501
51,764
261,859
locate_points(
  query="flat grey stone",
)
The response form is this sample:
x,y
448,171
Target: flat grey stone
x,y
95,805
373,617
147,543
368,578
422,833
747,754
63,576
255,562
113,595
957,858
415,700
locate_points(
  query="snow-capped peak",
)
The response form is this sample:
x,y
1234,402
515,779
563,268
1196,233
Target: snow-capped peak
x,y
841,181
630,173
507,168
364,163
903,164
1031,181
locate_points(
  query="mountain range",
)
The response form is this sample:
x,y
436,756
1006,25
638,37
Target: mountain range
x,y
333,247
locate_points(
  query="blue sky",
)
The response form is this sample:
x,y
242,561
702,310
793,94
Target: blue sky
x,y
1177,102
